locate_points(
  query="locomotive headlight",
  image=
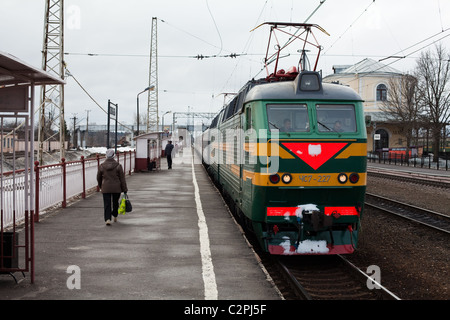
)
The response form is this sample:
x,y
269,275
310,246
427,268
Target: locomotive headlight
x,y
342,178
286,178
310,81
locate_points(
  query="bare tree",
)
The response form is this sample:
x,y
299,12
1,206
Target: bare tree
x,y
401,105
433,74
142,122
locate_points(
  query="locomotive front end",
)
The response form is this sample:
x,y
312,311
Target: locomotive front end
x,y
308,193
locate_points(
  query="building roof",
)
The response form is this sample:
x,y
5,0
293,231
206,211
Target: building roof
x,y
16,71
149,135
370,66
377,116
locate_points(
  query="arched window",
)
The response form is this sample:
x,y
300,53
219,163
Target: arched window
x,y
381,92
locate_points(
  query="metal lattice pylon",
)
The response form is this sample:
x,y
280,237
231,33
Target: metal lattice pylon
x,y
152,110
52,96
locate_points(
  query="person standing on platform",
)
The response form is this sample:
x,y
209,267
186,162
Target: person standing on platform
x,y
168,153
111,181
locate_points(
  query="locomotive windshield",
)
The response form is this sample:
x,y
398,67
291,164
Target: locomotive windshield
x,y
288,118
336,118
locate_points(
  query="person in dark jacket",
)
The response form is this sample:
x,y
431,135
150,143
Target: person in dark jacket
x,y
111,181
168,153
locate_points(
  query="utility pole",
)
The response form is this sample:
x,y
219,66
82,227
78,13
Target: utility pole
x,y
152,111
52,96
113,109
74,130
108,123
86,134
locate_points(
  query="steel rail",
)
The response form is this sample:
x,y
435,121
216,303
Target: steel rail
x,y
409,213
303,292
355,268
295,284
411,176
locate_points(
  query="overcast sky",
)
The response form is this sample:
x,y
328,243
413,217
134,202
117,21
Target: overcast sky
x,y
119,31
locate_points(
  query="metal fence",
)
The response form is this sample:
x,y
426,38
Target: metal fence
x,y
426,161
54,184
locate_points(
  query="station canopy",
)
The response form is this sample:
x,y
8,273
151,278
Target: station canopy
x,y
14,71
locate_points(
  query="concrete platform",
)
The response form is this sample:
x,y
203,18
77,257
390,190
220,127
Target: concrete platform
x,y
408,169
151,253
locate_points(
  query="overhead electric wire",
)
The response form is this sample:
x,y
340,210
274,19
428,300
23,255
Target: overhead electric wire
x,y
440,15
188,33
428,38
217,29
198,57
246,47
98,104
407,55
350,26
315,10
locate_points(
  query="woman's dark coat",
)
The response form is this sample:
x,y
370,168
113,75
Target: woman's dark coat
x,y
111,178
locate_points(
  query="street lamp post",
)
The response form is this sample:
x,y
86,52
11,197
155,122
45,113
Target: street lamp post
x,y
137,108
163,119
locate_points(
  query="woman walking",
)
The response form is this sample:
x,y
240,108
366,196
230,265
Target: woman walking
x,y
111,180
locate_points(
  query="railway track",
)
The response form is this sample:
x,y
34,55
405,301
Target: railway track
x,y
334,277
329,278
431,219
431,179
319,277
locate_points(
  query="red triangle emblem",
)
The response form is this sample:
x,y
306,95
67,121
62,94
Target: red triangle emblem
x,y
314,154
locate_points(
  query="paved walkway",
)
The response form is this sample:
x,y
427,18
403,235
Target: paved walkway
x,y
153,252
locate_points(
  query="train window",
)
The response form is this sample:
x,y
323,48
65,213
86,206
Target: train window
x,y
223,147
214,122
220,117
288,117
248,113
336,118
229,111
239,102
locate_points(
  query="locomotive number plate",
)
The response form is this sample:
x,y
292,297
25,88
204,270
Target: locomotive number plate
x,y
316,178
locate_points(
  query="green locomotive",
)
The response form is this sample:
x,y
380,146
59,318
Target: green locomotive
x,y
289,155
290,158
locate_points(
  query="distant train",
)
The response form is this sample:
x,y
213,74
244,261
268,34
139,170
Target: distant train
x,y
290,158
